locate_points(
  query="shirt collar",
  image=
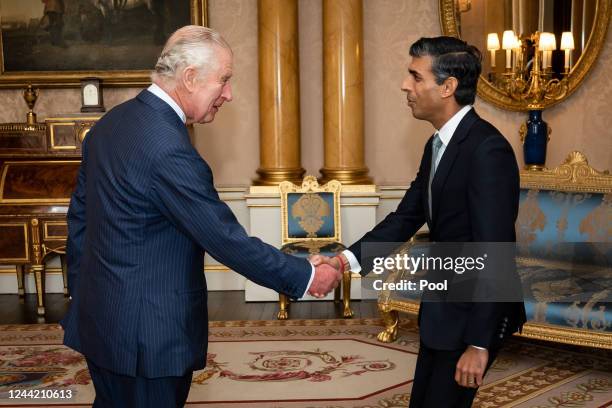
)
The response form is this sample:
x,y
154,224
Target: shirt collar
x,y
448,129
161,94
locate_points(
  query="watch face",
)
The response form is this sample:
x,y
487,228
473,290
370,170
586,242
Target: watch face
x,y
90,95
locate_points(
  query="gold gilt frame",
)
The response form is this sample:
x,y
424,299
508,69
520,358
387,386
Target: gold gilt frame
x,y
65,79
574,175
309,185
448,22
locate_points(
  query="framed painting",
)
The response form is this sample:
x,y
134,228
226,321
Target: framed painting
x,y
56,43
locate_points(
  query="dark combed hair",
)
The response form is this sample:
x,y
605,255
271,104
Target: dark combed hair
x,y
452,57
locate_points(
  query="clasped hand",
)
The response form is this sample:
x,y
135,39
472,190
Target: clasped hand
x,y
328,274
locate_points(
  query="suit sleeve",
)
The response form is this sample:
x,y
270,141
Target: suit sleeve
x,y
182,189
493,195
76,225
401,224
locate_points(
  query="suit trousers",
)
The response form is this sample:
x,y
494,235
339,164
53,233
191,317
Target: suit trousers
x,y
121,391
434,383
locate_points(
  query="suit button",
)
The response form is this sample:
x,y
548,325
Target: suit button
x,y
501,336
505,319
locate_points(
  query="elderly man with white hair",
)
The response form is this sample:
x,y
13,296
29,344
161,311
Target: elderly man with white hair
x,y
144,211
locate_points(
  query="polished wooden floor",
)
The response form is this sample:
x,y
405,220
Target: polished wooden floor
x,y
222,305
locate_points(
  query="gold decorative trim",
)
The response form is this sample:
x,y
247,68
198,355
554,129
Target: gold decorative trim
x,y
573,175
354,176
52,136
77,117
603,13
216,268
47,236
567,335
20,127
530,330
26,246
345,191
48,271
309,185
31,200
273,177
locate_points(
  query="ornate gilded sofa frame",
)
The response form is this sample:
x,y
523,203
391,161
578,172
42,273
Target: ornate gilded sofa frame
x,y
573,176
311,225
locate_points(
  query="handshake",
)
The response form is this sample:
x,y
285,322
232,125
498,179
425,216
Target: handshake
x,y
328,274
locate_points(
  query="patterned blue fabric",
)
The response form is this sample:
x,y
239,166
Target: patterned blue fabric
x,y
310,215
565,295
565,255
548,219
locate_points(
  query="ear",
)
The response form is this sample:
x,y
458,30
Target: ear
x,y
189,78
449,86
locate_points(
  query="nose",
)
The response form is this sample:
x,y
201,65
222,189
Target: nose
x,y
227,92
406,84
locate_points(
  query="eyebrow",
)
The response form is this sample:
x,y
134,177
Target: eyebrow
x,y
415,73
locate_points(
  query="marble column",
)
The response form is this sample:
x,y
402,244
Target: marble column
x,y
279,93
344,157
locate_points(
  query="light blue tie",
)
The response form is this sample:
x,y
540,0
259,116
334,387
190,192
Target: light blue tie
x,y
435,151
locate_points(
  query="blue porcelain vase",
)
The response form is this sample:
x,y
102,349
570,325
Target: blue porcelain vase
x,y
534,146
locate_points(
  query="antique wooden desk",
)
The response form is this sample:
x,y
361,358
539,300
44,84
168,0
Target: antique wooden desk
x,y
38,169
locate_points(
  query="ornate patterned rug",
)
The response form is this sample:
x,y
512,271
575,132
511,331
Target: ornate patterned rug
x,y
309,364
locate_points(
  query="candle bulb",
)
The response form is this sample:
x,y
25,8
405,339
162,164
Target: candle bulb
x,y
567,44
492,46
546,44
508,44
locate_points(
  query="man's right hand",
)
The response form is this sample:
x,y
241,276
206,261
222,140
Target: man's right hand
x,y
325,280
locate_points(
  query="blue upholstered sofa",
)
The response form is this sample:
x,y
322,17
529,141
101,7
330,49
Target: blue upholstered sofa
x,y
564,255
564,237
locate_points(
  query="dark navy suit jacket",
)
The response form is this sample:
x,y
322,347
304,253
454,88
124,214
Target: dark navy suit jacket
x,y
144,211
475,198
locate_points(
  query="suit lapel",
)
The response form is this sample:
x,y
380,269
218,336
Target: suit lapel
x,y
163,109
448,159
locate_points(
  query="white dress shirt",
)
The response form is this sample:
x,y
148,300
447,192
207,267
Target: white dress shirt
x,y
161,94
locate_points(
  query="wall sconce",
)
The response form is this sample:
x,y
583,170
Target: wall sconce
x,y
531,82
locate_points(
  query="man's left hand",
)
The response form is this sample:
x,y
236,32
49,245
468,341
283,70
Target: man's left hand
x,y
471,367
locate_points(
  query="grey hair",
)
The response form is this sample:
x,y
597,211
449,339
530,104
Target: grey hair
x,y
189,45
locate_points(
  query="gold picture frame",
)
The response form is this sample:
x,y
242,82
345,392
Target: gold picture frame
x,y
35,29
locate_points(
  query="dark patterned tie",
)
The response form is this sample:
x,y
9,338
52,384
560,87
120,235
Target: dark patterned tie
x,y
435,151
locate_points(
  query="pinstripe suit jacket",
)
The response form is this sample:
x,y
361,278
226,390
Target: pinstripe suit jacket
x,y
143,212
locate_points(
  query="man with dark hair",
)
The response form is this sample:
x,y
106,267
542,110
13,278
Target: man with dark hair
x,y
466,190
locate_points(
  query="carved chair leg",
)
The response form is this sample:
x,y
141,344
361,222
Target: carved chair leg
x,y
391,319
337,295
20,280
64,273
346,295
39,277
283,307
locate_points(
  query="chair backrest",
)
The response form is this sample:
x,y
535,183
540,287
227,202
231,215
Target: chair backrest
x,y
567,204
310,211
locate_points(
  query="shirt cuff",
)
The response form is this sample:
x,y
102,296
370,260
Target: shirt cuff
x,y
352,260
478,347
312,274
